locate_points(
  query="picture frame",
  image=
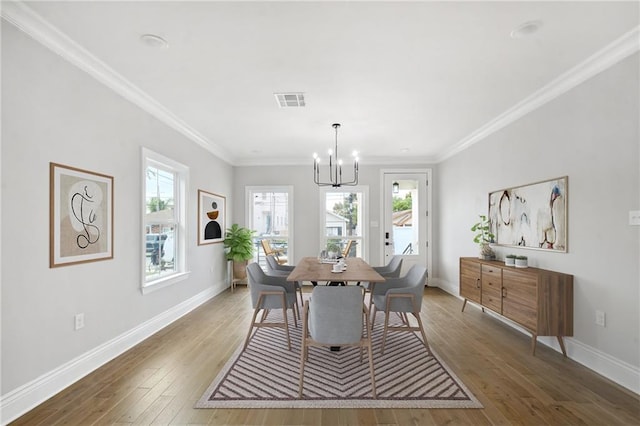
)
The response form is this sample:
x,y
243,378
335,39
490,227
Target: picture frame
x,y
532,216
80,216
211,217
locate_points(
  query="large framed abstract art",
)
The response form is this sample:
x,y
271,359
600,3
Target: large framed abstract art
x,y
80,216
531,216
211,217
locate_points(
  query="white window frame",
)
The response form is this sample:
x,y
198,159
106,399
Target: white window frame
x,y
363,239
151,158
248,209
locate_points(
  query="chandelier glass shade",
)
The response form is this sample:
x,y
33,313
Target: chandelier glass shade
x,y
335,167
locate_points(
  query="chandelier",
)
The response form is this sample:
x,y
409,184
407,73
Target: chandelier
x,y
335,167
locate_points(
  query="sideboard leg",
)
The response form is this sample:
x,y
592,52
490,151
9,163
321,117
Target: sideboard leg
x,y
534,340
464,304
561,341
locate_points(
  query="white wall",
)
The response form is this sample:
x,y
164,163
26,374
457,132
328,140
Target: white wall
x,y
590,134
307,207
53,112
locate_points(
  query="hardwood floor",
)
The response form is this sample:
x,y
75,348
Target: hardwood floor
x,y
159,380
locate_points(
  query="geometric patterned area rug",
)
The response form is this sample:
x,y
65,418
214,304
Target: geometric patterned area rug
x,y
266,375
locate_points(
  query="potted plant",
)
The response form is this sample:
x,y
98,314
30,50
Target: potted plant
x,y
238,243
510,260
483,237
521,261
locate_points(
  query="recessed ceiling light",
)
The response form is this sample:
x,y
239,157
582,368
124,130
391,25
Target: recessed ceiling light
x,y
526,29
152,40
404,150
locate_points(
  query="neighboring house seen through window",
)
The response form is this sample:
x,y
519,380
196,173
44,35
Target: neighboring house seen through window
x,y
165,183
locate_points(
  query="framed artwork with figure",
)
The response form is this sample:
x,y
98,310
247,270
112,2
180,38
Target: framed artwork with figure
x,y
80,216
211,217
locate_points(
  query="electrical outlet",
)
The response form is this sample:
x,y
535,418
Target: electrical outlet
x,y
634,217
79,321
600,318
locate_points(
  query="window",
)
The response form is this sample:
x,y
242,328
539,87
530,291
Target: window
x,y
164,234
344,220
269,213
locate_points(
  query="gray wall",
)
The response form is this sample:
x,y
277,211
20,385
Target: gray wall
x,y
591,135
54,112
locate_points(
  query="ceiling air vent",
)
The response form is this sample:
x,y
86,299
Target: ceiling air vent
x,y
290,100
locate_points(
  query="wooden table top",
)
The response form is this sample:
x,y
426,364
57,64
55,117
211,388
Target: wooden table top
x,y
310,269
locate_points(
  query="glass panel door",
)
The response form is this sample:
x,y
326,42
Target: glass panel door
x,y
269,214
405,218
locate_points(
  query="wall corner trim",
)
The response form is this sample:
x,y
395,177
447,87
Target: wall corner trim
x,y
24,398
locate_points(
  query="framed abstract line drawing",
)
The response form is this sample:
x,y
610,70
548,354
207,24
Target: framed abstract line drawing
x,y
80,216
211,217
531,216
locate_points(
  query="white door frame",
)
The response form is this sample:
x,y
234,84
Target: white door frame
x,y
428,213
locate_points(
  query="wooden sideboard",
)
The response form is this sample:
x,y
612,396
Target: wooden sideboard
x,y
540,301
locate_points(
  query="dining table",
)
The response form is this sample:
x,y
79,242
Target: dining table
x,y
315,269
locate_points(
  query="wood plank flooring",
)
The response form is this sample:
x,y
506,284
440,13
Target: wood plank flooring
x,y
158,381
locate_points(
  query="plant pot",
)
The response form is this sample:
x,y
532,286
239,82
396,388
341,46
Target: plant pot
x,y
240,269
486,252
521,263
510,261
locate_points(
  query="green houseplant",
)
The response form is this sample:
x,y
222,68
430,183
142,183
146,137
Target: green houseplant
x,y
483,237
238,243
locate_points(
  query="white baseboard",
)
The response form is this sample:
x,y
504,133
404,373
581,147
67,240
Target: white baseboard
x,y
24,398
618,371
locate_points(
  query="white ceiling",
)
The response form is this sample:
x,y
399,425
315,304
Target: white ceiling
x,y
409,81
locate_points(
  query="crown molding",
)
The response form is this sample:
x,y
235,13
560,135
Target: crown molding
x,y
25,19
21,16
625,46
308,161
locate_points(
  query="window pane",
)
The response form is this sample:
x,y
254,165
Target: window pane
x,y
405,229
160,251
160,223
343,214
270,220
343,219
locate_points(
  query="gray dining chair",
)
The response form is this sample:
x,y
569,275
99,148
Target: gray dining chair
x,y
275,268
402,296
390,270
270,292
334,316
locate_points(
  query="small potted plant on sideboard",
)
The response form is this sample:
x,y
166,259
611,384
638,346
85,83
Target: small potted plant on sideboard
x,y
483,237
510,260
521,262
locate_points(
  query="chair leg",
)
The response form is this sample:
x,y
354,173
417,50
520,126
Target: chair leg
x,y
303,350
386,327
296,313
253,321
286,322
424,336
373,316
373,376
370,350
301,299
